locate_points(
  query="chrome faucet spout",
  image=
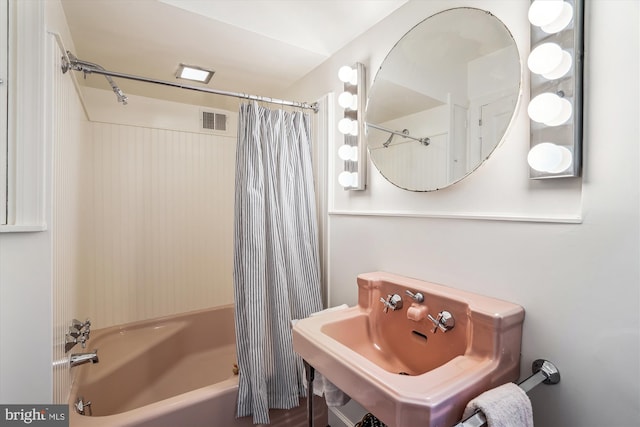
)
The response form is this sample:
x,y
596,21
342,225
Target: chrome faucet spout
x,y
82,358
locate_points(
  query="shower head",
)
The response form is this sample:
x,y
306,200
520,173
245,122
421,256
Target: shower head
x,y
70,61
405,133
121,96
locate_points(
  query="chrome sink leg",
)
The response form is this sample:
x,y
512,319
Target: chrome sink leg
x,y
310,373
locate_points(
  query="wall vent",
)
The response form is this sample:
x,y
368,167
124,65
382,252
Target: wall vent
x,y
210,120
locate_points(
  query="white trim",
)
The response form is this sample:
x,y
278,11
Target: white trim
x,y
22,228
26,122
457,215
335,415
323,138
4,54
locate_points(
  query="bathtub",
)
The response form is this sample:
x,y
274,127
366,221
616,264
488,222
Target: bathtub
x,y
174,371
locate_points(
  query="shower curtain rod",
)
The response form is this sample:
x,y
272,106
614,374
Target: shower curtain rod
x,y
71,62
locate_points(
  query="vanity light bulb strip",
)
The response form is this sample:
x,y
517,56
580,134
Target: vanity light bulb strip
x,y
351,152
555,108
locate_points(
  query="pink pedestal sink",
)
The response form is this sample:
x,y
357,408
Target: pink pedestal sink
x,y
398,367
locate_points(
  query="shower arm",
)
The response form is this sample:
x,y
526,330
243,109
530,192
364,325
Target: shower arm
x,y
404,133
70,61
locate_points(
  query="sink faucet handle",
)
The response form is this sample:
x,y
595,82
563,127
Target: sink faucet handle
x,y
417,297
386,304
444,322
393,302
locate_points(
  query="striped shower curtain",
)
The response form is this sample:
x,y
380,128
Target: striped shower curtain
x,y
276,264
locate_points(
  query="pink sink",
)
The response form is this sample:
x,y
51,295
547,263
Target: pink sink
x,y
399,368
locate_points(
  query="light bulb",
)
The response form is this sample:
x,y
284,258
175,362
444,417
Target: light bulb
x,y
348,100
563,116
550,109
567,160
348,179
544,107
354,154
549,60
562,20
344,179
345,126
562,69
347,74
544,58
545,12
354,128
345,152
549,157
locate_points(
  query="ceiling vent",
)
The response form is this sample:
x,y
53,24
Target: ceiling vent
x,y
210,120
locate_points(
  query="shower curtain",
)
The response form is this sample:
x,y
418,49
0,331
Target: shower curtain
x,y
276,260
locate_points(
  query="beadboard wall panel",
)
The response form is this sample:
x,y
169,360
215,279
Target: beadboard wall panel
x,y
161,209
68,130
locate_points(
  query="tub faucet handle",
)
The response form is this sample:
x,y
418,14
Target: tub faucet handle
x,y
69,342
82,339
74,332
75,323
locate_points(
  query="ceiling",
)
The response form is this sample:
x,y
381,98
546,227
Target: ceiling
x,y
260,47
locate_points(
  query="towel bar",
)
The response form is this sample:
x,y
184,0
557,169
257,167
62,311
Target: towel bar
x,y
543,372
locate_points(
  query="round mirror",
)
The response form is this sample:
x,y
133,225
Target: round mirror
x,y
442,99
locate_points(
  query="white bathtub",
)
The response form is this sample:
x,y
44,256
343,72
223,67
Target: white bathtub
x,y
173,371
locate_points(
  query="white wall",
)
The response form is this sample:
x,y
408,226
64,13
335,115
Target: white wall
x,y
579,282
25,298
25,293
69,131
159,212
32,277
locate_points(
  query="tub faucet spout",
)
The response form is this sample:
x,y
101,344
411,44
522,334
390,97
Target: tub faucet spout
x,y
82,358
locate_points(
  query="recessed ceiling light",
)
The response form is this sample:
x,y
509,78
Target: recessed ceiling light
x,y
192,72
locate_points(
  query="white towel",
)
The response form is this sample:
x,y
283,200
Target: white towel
x,y
504,406
333,396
